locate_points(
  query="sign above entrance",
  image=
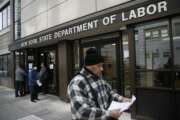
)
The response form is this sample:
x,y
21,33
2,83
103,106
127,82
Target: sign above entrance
x,y
143,11
108,22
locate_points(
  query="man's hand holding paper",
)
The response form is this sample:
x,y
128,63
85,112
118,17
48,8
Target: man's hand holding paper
x,y
122,105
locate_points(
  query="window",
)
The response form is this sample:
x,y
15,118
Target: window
x,y
164,32
127,79
4,65
8,19
153,55
176,41
76,57
155,34
17,12
1,21
177,29
176,45
147,34
4,18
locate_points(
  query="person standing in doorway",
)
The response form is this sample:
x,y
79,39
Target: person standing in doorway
x,y
90,95
33,77
43,77
19,80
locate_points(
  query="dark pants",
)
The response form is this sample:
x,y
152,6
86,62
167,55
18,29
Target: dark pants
x,y
34,92
19,88
44,87
110,118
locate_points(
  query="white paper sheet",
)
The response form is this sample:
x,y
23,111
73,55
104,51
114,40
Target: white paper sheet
x,y
39,83
122,106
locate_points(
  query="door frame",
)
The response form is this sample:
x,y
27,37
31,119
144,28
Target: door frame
x,y
103,40
51,48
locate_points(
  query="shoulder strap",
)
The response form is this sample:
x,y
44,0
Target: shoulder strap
x,y
94,93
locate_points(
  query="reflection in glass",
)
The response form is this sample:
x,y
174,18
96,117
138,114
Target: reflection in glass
x,y
110,74
176,41
5,65
176,49
76,57
4,18
108,51
127,81
177,80
1,21
154,79
8,15
153,56
152,46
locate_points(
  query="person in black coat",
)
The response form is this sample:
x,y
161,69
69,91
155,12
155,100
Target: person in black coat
x,y
43,77
33,77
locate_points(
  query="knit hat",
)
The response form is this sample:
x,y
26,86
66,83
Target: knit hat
x,y
93,57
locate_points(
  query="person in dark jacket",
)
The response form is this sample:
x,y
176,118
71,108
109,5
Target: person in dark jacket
x,y
19,80
33,77
43,77
90,95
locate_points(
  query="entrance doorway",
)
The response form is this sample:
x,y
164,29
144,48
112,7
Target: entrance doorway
x,y
116,59
48,57
36,56
108,51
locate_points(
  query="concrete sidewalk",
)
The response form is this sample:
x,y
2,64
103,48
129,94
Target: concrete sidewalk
x,y
48,108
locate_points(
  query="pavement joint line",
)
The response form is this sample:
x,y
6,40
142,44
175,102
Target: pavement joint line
x,y
30,117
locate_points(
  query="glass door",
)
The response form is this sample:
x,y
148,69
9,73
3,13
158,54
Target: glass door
x,y
108,49
126,65
176,52
48,57
110,64
51,62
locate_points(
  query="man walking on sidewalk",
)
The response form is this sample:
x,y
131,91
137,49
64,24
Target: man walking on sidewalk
x,y
89,94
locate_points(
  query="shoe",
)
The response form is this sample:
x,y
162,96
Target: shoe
x,y
37,99
33,101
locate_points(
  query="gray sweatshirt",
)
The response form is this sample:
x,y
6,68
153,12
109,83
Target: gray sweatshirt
x,y
20,73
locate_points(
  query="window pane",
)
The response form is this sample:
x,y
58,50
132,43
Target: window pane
x,y
164,32
8,15
177,81
1,64
140,48
153,56
0,20
5,18
5,65
176,41
155,33
76,57
8,65
154,79
152,51
109,53
176,29
127,79
176,45
147,34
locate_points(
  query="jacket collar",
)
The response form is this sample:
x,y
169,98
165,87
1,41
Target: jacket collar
x,y
89,73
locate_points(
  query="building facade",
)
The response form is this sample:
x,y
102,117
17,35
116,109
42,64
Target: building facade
x,y
140,40
5,72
